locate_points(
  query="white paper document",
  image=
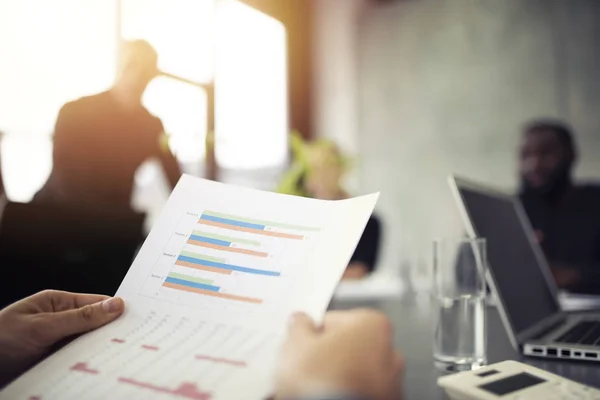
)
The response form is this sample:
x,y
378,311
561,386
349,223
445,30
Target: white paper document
x,y
208,298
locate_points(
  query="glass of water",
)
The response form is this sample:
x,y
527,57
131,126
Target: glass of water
x,y
459,290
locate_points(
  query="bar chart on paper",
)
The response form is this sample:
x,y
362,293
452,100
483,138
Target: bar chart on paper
x,y
217,259
209,297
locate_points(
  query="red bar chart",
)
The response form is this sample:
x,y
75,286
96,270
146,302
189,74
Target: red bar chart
x,y
150,359
185,390
83,367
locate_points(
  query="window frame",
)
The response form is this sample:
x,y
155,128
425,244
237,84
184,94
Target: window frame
x,y
210,164
295,17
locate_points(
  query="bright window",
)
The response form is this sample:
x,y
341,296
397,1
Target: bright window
x,y
55,51
181,31
182,109
52,52
250,88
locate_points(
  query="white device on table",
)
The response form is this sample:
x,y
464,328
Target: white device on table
x,y
520,279
512,380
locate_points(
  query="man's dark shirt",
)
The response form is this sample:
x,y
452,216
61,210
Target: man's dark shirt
x,y
570,227
367,250
98,146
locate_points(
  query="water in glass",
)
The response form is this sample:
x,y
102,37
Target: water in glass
x,y
459,293
460,333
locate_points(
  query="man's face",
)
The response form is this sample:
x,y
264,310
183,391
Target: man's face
x,y
542,158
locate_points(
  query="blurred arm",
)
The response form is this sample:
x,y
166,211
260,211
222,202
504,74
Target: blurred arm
x,y
582,278
167,159
578,276
356,270
65,136
367,251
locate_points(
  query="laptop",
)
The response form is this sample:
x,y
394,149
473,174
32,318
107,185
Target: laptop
x,y
520,279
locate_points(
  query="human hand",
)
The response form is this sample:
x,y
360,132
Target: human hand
x,y
565,277
350,354
355,270
539,236
30,327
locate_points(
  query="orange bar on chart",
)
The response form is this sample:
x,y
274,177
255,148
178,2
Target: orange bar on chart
x,y
203,267
250,230
214,294
229,249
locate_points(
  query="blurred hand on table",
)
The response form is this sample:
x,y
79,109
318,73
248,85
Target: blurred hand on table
x,y
355,270
565,277
350,354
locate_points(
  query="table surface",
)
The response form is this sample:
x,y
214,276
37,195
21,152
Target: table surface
x,y
413,317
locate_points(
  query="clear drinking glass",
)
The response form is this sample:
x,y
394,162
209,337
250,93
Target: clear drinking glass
x,y
459,291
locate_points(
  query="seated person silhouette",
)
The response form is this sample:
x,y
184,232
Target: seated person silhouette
x,y
101,140
317,172
565,215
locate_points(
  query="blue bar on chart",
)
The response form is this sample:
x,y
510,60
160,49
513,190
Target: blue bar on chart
x,y
232,222
254,223
196,285
210,240
257,227
227,266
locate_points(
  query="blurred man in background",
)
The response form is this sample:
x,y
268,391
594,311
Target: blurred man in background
x,y
101,140
565,216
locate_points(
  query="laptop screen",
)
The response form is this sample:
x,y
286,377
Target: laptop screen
x,y
520,283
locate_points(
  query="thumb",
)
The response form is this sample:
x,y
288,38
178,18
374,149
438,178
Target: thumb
x,y
301,325
84,319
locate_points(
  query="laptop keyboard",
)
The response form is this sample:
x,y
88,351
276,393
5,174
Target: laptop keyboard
x,y
585,332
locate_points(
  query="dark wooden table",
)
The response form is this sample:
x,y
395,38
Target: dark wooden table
x,y
414,320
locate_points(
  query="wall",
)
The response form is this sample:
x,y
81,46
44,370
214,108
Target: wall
x,y
335,86
443,86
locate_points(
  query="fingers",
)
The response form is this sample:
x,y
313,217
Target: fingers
x,y
57,301
82,319
301,325
359,322
362,318
398,363
82,300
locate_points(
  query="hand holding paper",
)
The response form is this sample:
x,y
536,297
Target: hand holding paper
x,y
208,297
